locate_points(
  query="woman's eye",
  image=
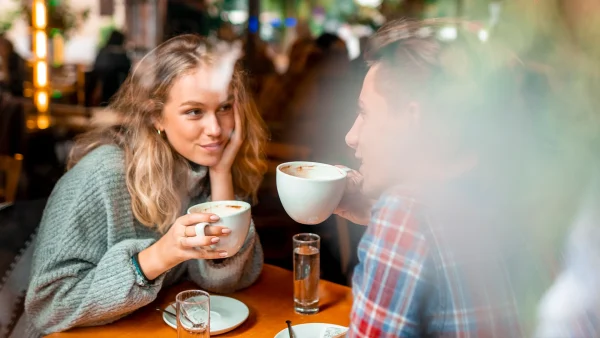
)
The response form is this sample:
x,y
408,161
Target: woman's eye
x,y
226,108
194,112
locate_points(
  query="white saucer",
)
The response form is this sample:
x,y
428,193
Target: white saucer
x,y
225,314
312,330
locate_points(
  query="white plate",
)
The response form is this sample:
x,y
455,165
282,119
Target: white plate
x,y
312,330
225,314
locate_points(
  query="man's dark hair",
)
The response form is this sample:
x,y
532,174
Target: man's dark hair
x,y
326,40
116,38
412,52
466,85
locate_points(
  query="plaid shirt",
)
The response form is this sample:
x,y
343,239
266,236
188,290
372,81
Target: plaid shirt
x,y
407,284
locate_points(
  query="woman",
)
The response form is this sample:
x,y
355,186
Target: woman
x,y
112,235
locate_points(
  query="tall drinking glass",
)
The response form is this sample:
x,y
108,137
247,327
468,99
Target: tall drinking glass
x,y
193,314
306,273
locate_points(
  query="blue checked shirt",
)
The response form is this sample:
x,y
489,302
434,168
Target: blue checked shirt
x,y
407,284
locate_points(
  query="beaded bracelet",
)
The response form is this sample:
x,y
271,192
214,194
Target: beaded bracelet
x,y
138,269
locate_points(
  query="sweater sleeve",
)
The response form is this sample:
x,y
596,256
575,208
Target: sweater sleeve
x,y
82,271
233,273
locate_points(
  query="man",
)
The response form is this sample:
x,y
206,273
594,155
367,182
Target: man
x,y
12,68
434,132
112,66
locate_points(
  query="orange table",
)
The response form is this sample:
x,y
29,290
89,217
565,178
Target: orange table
x,y
270,301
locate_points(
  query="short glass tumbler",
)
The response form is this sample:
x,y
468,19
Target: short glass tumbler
x,y
193,314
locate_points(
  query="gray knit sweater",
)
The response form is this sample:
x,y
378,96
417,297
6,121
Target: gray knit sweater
x,y
82,273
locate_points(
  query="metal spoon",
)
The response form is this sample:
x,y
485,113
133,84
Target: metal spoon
x,y
167,312
289,325
195,325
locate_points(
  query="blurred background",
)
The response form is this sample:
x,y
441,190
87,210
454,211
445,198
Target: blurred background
x,y
62,60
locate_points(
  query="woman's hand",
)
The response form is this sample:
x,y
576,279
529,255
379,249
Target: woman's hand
x,y
181,243
354,206
221,180
231,149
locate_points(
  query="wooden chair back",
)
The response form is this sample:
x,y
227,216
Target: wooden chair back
x,y
278,153
10,169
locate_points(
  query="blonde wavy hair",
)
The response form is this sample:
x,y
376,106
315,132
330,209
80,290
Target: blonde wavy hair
x,y
154,170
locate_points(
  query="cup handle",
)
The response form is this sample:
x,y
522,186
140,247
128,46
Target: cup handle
x,y
200,232
200,228
343,168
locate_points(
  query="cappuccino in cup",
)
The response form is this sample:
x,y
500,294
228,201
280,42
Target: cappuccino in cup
x,y
310,191
234,215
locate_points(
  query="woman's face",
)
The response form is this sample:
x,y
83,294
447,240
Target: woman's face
x,y
198,117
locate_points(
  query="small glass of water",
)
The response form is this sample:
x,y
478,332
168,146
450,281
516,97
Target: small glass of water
x,y
306,273
193,314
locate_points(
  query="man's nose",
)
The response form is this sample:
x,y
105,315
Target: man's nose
x,y
352,135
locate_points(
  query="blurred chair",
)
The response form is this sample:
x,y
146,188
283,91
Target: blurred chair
x,y
81,85
12,125
278,153
344,241
10,167
65,85
92,91
18,226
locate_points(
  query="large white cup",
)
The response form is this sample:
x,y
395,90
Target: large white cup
x,y
234,215
310,191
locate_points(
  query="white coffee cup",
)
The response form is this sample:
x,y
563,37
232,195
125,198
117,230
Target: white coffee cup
x,y
310,191
235,215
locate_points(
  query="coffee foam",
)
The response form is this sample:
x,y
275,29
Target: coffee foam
x,y
303,171
222,210
312,171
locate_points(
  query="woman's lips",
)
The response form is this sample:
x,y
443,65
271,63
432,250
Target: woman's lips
x,y
212,147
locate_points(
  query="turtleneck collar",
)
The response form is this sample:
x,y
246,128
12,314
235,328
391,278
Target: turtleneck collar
x,y
196,175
